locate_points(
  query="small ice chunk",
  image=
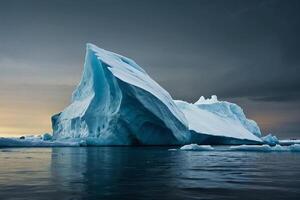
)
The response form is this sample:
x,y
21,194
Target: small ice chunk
x,y
289,141
278,147
295,147
196,147
270,139
47,137
264,147
267,148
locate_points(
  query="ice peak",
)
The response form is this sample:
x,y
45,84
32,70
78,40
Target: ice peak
x,y
202,100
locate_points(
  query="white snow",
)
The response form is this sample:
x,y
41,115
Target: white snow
x,y
229,110
202,100
196,147
208,122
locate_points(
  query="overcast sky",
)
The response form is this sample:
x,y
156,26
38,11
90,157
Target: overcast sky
x,y
247,52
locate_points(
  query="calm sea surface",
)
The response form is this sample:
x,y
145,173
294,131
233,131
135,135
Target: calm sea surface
x,y
146,173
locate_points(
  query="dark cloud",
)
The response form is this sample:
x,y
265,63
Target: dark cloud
x,y
235,49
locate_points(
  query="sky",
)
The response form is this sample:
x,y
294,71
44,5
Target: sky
x,y
246,52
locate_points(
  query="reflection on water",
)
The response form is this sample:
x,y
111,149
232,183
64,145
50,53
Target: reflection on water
x,y
146,173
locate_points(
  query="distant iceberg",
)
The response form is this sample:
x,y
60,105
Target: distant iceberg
x,y
289,142
270,139
37,142
267,148
196,147
118,103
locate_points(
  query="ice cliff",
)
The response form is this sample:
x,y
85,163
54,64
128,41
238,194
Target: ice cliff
x,y
117,103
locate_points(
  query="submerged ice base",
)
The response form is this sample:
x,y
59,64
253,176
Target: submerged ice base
x,y
117,103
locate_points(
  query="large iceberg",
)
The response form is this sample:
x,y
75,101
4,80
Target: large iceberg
x,y
117,103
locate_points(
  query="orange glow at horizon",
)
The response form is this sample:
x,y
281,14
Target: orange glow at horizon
x,y
26,111
14,126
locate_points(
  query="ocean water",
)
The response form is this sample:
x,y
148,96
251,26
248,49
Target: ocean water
x,y
146,173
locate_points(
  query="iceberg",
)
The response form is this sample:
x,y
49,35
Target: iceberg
x,y
47,137
36,142
263,148
267,148
289,141
228,111
221,121
196,147
295,147
270,139
118,103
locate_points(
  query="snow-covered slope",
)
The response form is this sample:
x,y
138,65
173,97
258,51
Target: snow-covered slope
x,y
230,111
117,103
219,118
